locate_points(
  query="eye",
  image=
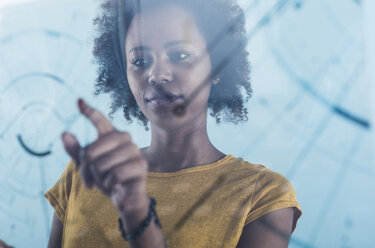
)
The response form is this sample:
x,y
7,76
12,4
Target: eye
x,y
139,62
178,56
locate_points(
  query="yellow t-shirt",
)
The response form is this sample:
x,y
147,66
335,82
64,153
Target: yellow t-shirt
x,y
231,193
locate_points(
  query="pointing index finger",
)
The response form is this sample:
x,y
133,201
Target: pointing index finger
x,y
101,123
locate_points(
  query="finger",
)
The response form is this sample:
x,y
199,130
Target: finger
x,y
72,146
109,180
98,158
101,123
122,154
134,194
84,167
105,150
97,178
108,145
134,170
120,173
102,167
78,154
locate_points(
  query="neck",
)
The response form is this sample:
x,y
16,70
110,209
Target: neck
x,y
172,150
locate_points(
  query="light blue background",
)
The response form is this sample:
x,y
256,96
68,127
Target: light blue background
x,y
309,58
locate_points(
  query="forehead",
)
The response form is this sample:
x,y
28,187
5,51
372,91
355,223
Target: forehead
x,y
162,24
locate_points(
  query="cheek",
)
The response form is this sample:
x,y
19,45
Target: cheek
x,y
204,67
200,74
134,86
197,84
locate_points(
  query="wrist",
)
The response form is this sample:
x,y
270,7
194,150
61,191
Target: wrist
x,y
131,235
133,216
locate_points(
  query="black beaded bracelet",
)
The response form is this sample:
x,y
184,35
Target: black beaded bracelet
x,y
143,225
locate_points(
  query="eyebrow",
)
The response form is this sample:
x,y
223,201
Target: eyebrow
x,y
169,44
176,42
139,48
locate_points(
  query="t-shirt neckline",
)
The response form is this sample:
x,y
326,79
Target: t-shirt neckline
x,y
191,169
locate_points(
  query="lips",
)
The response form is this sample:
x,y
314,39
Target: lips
x,y
163,96
163,99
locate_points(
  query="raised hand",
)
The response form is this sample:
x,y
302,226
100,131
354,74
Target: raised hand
x,y
112,163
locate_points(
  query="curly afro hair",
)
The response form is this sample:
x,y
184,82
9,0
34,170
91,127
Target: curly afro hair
x,y
222,23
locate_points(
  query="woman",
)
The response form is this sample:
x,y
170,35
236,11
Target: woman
x,y
163,63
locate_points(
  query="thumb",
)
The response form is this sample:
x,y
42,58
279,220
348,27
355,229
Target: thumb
x,y
72,146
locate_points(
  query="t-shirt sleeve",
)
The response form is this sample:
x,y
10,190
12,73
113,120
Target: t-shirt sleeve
x,y
58,195
272,191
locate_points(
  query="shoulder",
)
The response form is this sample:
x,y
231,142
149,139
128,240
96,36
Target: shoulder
x,y
235,165
59,194
272,181
264,184
70,174
67,181
265,178
261,179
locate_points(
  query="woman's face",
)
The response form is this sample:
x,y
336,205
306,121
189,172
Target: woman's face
x,y
165,48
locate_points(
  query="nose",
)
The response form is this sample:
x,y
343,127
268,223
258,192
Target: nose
x,y
160,73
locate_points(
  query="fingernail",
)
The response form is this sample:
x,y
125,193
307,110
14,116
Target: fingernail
x,y
66,137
